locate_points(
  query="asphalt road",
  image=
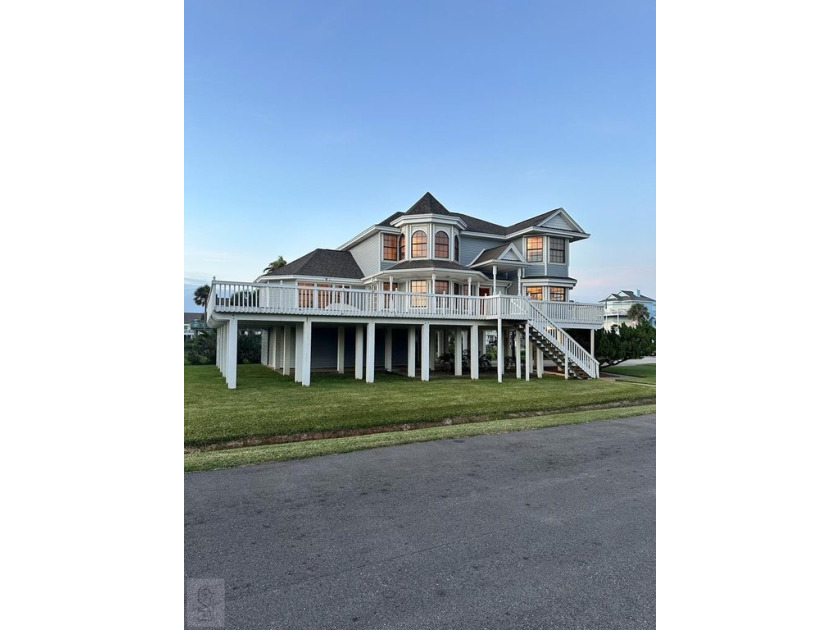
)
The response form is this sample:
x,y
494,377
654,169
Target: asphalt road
x,y
550,528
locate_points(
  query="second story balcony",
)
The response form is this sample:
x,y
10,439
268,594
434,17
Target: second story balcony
x,y
265,299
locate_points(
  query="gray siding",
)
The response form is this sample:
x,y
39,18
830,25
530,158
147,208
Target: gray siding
x,y
472,247
367,255
558,222
558,270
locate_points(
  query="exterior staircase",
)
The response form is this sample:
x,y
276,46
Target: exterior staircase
x,y
558,345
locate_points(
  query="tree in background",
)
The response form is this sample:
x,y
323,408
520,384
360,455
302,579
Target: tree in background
x,y
628,342
200,297
637,313
275,264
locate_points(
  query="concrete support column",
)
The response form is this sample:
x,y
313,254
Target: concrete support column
x,y
500,350
527,351
230,360
306,361
298,352
389,349
592,342
474,352
459,353
517,350
424,352
371,350
540,363
339,359
287,350
360,351
412,346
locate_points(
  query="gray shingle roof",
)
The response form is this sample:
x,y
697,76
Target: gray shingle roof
x,y
329,263
427,263
528,222
427,204
627,296
491,254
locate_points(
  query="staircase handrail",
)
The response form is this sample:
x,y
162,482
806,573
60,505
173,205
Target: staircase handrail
x,y
563,341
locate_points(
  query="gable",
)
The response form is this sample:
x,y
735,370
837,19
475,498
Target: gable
x,y
557,222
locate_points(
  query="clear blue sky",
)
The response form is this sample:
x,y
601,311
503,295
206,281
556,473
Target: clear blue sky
x,y
307,122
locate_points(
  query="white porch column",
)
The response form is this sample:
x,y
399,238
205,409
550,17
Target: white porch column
x,y
230,360
412,358
518,353
271,338
500,348
220,345
360,351
540,362
592,342
527,351
566,366
474,352
287,350
307,353
339,360
424,352
298,352
431,351
371,350
459,353
389,349
494,279
519,281
264,346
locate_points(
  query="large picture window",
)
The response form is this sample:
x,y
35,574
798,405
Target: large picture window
x,y
535,293
557,250
557,294
441,286
389,247
419,244
534,249
402,247
421,288
441,245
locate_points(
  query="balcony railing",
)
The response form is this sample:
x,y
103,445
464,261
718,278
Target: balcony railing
x,y
261,298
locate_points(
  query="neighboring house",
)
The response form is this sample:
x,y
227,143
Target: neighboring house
x,y
616,306
405,290
193,322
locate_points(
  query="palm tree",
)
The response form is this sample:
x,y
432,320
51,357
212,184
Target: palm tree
x,y
638,312
201,296
275,264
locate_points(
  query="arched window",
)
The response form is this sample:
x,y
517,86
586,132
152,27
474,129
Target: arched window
x,y
457,256
419,242
441,245
401,247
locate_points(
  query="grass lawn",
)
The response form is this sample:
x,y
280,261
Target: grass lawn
x,y
267,404
646,372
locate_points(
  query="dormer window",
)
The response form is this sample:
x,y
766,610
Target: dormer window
x,y
441,245
389,247
534,249
419,244
556,250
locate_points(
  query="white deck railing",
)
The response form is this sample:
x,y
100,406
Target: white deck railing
x,y
261,298
562,340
